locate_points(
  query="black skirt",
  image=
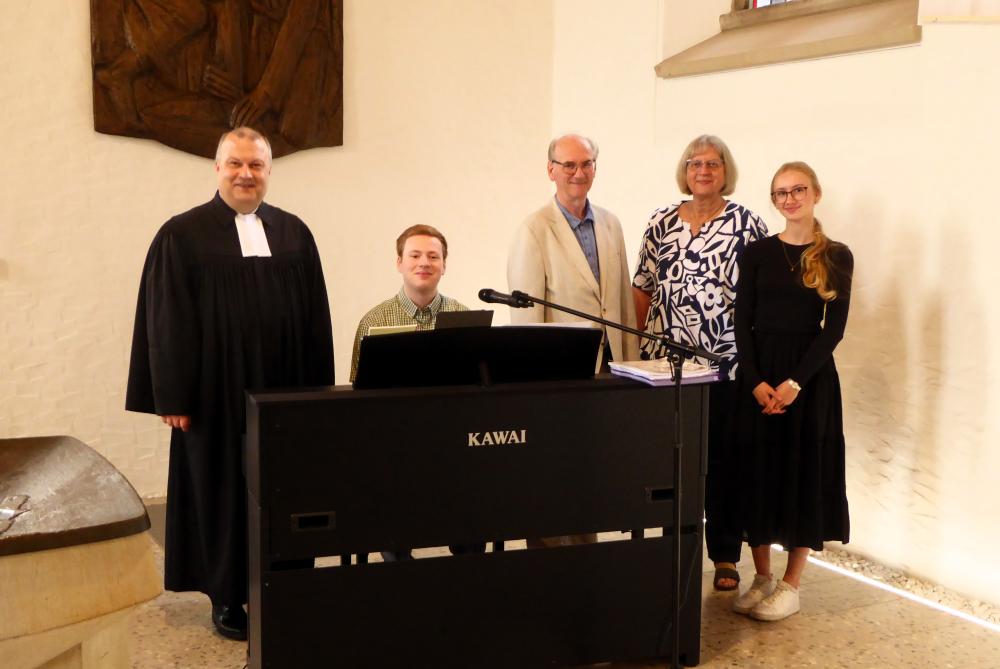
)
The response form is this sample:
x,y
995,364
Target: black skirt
x,y
793,464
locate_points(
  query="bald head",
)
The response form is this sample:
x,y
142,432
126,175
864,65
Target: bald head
x,y
580,139
243,132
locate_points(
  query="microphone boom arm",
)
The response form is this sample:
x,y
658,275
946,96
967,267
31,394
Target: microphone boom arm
x,y
684,350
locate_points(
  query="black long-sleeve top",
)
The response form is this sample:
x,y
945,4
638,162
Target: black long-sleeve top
x,y
771,298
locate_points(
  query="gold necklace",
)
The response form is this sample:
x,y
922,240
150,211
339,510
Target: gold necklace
x,y
791,265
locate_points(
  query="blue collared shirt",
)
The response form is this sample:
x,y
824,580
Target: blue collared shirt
x,y
584,231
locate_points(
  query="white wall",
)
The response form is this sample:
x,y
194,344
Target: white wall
x,y
447,118
449,106
904,142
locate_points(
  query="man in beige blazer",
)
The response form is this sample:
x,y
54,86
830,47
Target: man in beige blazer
x,y
573,253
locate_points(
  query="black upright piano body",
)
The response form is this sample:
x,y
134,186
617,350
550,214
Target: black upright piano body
x,y
341,471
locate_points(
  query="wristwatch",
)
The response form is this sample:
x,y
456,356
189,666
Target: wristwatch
x,y
795,384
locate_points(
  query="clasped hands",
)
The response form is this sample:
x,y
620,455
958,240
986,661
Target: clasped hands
x,y
182,422
774,400
247,109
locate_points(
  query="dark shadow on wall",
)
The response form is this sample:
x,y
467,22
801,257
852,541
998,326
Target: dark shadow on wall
x,y
896,382
873,357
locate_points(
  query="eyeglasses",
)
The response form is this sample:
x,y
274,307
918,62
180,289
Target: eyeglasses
x,y
797,193
571,167
711,165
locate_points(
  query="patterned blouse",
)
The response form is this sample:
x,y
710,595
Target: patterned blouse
x,y
692,280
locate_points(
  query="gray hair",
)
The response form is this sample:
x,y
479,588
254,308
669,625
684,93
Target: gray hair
x,y
243,132
587,140
714,142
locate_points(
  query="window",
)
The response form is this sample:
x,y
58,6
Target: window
x,y
752,34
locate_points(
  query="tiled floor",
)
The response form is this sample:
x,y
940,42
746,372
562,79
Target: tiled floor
x,y
843,623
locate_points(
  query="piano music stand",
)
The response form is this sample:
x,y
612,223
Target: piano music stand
x,y
477,356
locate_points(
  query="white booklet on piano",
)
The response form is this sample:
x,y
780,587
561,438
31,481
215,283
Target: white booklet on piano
x,y
659,372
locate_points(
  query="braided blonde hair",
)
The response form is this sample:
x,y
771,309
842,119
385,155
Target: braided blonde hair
x,y
817,265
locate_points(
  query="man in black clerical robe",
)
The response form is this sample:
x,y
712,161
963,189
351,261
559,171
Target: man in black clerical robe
x,y
232,298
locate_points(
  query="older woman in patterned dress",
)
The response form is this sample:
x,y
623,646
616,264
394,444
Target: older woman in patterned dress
x,y
685,288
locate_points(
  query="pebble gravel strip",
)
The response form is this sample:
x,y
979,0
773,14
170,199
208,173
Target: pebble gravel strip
x,y
897,579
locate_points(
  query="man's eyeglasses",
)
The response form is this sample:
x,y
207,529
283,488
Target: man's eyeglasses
x,y
696,165
571,167
797,193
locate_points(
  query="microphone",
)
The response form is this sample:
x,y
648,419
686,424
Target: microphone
x,y
517,300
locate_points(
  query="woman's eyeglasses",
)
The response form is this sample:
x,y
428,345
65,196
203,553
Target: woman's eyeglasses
x,y
797,193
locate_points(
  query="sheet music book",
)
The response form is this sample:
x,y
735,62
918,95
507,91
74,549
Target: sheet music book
x,y
659,372
391,329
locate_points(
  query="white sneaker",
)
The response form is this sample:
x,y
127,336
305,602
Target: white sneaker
x,y
762,587
780,604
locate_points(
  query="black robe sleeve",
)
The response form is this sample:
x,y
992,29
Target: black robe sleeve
x,y
163,371
321,371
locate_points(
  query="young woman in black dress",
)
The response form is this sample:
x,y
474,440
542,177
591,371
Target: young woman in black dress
x,y
791,310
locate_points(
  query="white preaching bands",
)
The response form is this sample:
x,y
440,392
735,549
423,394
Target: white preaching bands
x,y
253,241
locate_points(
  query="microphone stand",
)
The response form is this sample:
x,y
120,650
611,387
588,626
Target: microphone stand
x,y
676,354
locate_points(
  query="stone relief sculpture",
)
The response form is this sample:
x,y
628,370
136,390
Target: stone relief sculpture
x,y
183,71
